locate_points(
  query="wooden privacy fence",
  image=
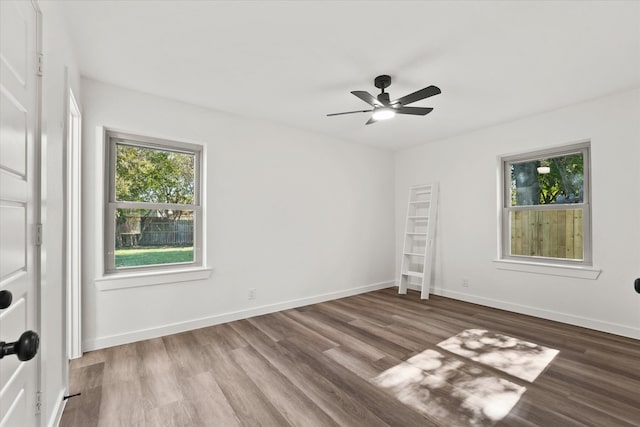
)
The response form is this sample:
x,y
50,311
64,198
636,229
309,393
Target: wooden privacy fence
x,y
154,232
549,233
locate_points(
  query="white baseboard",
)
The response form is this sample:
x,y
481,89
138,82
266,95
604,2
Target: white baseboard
x,y
56,415
571,319
174,328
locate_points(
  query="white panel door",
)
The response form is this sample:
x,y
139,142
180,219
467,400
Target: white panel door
x,y
635,227
18,205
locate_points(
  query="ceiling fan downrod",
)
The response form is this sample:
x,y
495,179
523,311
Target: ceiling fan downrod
x,y
382,82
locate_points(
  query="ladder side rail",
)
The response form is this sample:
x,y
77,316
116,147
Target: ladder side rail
x,y
402,282
430,243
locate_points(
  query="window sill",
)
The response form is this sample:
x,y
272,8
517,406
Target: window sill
x,y
139,279
580,272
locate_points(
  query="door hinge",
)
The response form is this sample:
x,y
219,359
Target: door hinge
x,y
38,402
40,64
38,235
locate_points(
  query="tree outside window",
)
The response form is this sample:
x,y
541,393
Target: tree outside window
x,y
548,181
154,203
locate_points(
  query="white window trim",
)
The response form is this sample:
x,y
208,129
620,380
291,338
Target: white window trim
x,y
577,271
543,265
153,274
151,278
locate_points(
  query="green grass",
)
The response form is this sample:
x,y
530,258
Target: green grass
x,y
150,256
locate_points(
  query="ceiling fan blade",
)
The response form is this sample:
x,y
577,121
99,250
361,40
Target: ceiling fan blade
x,y
349,112
367,97
417,111
370,121
418,95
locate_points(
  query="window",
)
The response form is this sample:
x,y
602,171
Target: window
x,y
546,206
153,211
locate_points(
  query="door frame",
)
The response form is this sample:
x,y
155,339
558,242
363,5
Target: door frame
x,y
37,207
72,194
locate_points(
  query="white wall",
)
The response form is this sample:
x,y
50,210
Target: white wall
x,y
466,168
295,215
58,54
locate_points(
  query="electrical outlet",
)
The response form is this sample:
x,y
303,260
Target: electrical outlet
x,y
252,293
465,283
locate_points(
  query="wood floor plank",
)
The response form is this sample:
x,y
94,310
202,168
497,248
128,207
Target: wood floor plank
x,y
341,338
223,335
290,326
88,358
315,365
210,403
86,377
83,410
343,408
280,391
383,333
174,414
351,361
187,359
123,404
385,346
161,389
395,304
154,358
122,363
248,402
378,317
390,411
335,312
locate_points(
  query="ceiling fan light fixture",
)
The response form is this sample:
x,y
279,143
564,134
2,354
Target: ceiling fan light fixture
x,y
383,114
384,108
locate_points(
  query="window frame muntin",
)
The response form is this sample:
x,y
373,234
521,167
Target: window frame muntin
x,y
504,254
112,138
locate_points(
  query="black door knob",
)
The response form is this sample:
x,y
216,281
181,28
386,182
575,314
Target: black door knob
x,y
637,285
25,348
5,299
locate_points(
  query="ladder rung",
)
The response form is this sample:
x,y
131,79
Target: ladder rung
x,y
413,274
423,192
420,202
416,234
414,254
418,217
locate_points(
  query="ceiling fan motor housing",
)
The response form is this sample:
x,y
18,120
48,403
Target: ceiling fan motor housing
x,y
384,98
382,82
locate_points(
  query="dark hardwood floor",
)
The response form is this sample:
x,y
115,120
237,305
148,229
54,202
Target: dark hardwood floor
x,y
314,366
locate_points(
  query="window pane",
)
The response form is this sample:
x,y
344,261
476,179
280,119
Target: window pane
x,y
553,180
151,237
154,176
547,233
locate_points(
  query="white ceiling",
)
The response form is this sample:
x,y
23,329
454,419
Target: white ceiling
x,y
294,62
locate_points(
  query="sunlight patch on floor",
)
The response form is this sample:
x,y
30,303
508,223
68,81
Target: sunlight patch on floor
x,y
516,357
459,393
447,389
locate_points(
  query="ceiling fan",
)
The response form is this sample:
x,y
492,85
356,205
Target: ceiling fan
x,y
384,109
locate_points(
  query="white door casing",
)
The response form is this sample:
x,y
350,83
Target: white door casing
x,y
73,225
19,203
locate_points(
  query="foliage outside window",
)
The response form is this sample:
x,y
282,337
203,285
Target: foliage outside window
x,y
153,208
546,209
